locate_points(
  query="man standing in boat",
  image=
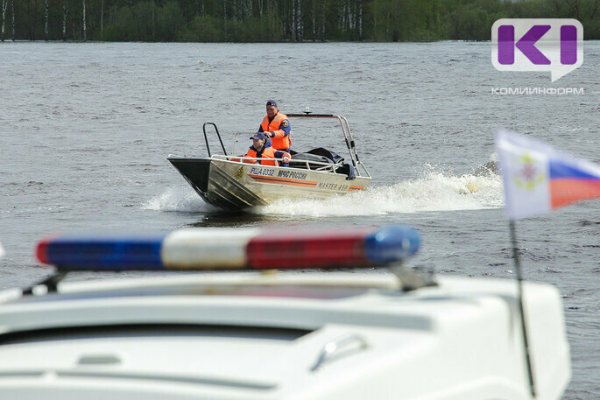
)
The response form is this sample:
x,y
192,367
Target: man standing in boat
x,y
276,126
265,154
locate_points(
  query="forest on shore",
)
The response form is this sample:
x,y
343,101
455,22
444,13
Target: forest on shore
x,y
277,20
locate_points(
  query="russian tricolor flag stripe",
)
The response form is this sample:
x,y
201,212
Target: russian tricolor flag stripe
x,y
560,169
538,178
568,191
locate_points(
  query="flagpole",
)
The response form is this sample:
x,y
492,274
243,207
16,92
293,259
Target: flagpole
x,y
517,260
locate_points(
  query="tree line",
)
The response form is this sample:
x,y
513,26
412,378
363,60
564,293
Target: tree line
x,y
277,20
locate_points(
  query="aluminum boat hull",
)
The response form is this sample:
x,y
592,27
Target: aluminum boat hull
x,y
234,186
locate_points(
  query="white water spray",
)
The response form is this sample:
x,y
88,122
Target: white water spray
x,y
177,199
434,191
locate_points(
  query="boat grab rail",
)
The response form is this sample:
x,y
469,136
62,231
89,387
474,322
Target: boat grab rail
x,y
349,139
320,166
218,136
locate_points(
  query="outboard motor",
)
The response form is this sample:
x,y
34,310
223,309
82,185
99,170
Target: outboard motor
x,y
351,173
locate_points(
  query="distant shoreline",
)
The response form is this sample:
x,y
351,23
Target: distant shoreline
x,y
279,21
229,42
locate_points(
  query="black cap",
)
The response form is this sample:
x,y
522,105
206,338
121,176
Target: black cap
x,y
271,103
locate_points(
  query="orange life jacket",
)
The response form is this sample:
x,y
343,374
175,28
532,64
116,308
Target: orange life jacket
x,y
280,140
265,158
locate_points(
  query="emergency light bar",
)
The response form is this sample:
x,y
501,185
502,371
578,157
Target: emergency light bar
x,y
225,248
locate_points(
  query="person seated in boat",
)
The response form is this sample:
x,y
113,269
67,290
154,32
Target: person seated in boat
x,y
277,126
262,150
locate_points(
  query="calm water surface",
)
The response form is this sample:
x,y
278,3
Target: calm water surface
x,y
85,130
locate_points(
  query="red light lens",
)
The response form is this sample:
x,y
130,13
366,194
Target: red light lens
x,y
297,250
41,251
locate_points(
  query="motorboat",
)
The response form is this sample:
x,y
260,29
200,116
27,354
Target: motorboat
x,y
237,183
267,325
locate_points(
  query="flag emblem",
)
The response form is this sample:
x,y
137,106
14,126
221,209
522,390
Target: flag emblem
x,y
528,176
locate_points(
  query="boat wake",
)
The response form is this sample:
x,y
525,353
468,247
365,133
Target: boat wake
x,y
435,191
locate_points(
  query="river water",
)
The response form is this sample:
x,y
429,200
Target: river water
x,y
85,130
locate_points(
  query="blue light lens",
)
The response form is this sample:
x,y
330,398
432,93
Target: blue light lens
x,y
392,244
106,253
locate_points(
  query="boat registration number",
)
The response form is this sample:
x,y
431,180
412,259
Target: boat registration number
x,y
262,171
